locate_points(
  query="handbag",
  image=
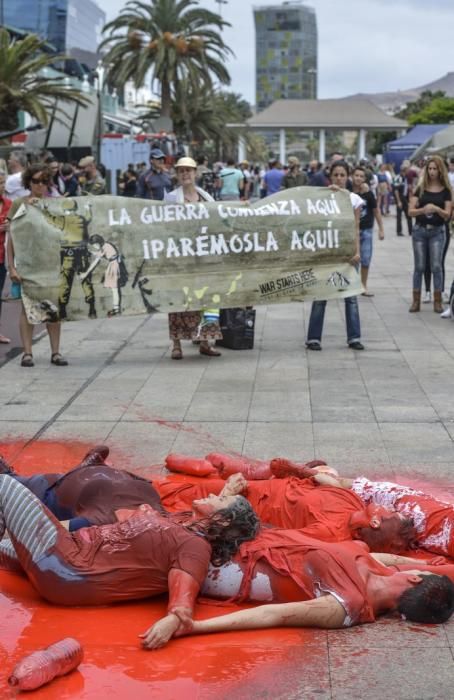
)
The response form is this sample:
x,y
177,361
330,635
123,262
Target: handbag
x,y
237,327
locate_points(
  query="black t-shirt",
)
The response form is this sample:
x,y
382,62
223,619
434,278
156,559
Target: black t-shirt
x,y
437,198
366,219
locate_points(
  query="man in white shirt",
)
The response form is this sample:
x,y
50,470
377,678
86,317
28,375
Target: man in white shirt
x,y
17,162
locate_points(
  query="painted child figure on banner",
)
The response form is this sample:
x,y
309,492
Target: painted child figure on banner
x,y
116,274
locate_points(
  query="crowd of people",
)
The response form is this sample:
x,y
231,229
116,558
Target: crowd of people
x,y
422,194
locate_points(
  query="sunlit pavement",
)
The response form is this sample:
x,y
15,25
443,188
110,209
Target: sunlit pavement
x,y
387,412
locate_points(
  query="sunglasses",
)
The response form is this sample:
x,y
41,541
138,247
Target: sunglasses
x,y
40,181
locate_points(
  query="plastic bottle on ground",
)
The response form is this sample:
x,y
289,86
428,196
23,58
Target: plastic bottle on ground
x,y
44,665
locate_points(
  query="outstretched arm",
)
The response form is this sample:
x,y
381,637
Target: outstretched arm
x,y
325,479
392,559
183,591
325,612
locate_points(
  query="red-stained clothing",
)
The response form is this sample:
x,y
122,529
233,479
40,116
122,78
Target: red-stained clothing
x,y
5,205
433,519
323,511
112,563
313,567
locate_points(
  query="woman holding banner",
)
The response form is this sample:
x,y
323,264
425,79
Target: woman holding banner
x,y
339,174
198,326
36,178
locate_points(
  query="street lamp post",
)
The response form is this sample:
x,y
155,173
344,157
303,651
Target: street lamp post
x,y
313,82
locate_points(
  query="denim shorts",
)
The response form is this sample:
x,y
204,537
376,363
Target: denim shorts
x,y
365,246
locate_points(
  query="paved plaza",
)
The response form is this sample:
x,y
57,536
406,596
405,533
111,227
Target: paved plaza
x,y
385,412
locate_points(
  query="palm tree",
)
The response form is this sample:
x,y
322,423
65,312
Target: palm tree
x,y
202,114
22,85
174,39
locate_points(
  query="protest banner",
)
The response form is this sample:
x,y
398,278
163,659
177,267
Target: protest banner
x,y
98,256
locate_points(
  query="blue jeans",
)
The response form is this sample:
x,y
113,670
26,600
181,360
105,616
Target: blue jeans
x,y
428,242
366,237
352,322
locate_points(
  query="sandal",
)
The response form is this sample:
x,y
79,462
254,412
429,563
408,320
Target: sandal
x,y
58,359
27,360
4,340
208,350
176,354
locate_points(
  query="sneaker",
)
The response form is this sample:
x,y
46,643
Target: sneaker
x,y
427,298
446,313
5,468
356,345
313,345
445,297
97,455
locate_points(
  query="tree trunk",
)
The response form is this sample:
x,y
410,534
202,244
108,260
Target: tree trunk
x,y
166,99
9,119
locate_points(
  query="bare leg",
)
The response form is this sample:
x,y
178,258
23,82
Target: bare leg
x,y
26,332
364,276
54,330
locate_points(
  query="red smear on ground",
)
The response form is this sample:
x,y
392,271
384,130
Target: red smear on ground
x,y
245,664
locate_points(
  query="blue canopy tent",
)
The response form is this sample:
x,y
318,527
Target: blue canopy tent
x,y
402,149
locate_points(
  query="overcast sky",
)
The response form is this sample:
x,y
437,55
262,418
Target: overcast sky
x,y
363,45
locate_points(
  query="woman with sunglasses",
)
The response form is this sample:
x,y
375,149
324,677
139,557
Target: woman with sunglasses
x,y
36,178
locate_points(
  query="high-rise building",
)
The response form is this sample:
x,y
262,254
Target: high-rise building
x,y
72,26
286,53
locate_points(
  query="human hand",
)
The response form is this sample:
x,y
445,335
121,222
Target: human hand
x,y
429,209
437,561
364,188
159,634
381,234
14,275
235,484
355,259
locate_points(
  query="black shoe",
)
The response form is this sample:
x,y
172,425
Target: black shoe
x,y
313,345
356,345
400,234
97,455
5,468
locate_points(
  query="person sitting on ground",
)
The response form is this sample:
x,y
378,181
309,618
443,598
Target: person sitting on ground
x,y
136,558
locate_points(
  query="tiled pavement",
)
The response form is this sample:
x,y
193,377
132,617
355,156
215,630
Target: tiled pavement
x,y
387,411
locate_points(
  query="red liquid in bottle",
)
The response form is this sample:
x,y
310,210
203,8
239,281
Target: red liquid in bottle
x,y
44,665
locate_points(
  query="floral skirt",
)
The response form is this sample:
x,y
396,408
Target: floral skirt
x,y
190,325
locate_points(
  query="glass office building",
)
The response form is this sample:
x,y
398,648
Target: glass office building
x,y
72,26
286,53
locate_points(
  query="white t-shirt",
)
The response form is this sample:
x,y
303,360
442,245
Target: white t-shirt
x,y
451,177
356,200
14,188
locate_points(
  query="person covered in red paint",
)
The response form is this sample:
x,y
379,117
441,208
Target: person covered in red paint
x,y
433,519
308,583
324,512
91,492
142,556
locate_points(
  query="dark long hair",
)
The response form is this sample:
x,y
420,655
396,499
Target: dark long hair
x,y
227,529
